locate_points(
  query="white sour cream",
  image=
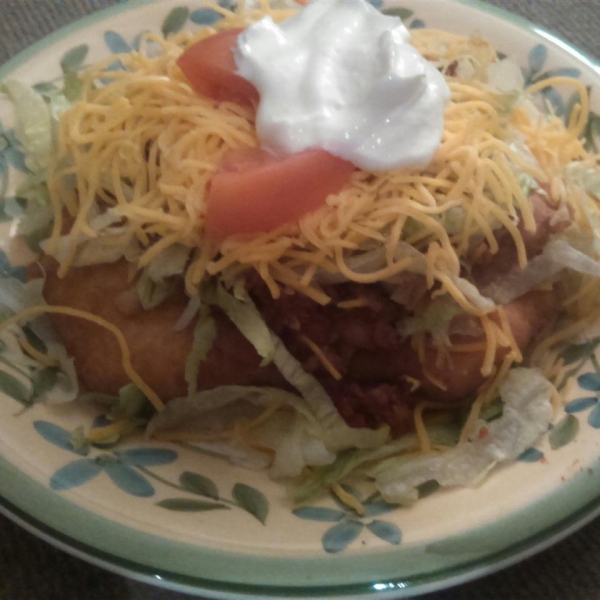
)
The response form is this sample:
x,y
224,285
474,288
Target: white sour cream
x,y
341,76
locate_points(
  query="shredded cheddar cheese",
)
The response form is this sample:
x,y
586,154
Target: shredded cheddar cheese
x,y
43,359
35,311
348,499
145,143
322,357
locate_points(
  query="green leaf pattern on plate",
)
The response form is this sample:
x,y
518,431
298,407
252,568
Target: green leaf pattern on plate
x,y
189,505
563,432
129,471
74,58
252,501
199,484
175,20
14,388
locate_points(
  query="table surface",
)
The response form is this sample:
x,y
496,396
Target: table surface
x,y
33,570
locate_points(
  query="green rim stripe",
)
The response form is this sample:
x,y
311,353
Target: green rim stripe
x,y
32,51
546,35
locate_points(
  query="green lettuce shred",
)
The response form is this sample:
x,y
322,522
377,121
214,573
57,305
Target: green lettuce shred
x,y
246,317
205,333
314,482
34,124
36,118
526,394
156,283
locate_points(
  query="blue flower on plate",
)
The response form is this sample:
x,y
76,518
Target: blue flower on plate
x,y
7,270
535,72
531,455
120,466
11,151
591,383
205,16
349,525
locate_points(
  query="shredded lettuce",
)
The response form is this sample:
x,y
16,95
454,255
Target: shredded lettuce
x,y
435,319
506,80
34,124
246,317
37,114
295,435
191,310
505,76
16,295
558,254
454,219
168,263
111,241
586,176
66,386
205,334
297,447
190,413
129,404
375,259
312,483
527,413
155,283
288,432
35,222
472,294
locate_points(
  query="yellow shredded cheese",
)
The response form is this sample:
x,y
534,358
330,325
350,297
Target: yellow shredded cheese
x,y
100,434
44,359
147,144
348,499
420,428
322,357
35,311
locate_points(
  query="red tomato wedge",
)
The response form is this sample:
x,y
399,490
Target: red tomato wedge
x,y
210,68
255,191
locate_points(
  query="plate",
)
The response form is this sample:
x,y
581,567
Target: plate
x,y
172,516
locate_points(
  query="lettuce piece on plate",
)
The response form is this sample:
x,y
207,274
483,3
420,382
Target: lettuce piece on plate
x,y
156,283
558,254
287,431
112,241
205,333
34,124
526,394
246,317
14,297
36,121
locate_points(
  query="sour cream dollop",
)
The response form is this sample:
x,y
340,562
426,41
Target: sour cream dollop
x,y
341,76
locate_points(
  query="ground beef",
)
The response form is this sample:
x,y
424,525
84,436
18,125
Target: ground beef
x,y
375,405
338,332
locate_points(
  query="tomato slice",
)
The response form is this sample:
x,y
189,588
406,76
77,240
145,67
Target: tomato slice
x,y
210,68
255,191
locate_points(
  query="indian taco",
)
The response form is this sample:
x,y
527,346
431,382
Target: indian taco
x,y
313,240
